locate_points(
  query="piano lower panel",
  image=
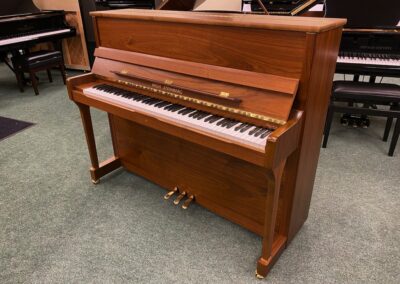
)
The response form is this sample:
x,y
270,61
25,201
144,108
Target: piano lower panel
x,y
230,187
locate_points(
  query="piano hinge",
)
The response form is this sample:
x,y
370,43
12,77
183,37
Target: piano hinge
x,y
204,103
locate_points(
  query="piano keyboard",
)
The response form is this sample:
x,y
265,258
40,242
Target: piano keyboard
x,y
34,36
228,129
369,59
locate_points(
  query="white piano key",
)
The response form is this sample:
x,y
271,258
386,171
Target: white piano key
x,y
31,37
185,120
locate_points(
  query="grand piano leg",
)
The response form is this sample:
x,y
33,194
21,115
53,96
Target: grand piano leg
x,y
97,170
272,245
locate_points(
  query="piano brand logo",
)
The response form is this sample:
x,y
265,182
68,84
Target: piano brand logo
x,y
166,88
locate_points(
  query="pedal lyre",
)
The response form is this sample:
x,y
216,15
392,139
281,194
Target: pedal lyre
x,y
179,198
187,202
172,192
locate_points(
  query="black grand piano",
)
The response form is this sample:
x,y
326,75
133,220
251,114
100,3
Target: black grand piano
x,y
371,39
23,25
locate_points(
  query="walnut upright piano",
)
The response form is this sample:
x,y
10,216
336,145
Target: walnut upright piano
x,y
226,110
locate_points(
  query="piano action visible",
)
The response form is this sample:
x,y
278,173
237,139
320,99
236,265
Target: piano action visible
x,y
226,110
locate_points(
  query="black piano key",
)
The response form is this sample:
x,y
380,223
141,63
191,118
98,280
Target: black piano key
x,y
186,111
221,122
177,108
253,131
265,134
209,119
247,127
258,133
237,128
161,104
193,114
232,124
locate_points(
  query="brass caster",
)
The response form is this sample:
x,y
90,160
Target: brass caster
x,y
95,181
259,276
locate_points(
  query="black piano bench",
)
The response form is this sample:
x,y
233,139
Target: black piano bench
x,y
37,61
368,94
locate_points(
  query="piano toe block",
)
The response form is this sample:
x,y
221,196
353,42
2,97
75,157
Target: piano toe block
x,y
104,168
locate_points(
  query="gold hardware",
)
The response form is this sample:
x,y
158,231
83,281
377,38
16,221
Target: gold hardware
x,y
259,276
205,103
169,194
168,82
224,94
95,181
179,198
187,202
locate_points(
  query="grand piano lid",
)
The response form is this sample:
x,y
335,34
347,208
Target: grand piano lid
x,y
17,8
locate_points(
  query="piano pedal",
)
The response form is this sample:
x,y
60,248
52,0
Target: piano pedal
x,y
179,198
187,202
172,192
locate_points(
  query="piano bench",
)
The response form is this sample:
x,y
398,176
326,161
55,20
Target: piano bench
x,y
367,94
37,61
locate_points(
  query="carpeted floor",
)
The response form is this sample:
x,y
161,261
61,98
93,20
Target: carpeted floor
x,y
56,227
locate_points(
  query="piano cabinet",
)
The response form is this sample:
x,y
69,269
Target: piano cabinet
x,y
272,74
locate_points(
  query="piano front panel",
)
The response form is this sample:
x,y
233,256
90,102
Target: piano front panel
x,y
275,52
228,186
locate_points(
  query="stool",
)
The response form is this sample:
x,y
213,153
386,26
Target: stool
x,y
367,94
34,62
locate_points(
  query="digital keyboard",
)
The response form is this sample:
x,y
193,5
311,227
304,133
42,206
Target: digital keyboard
x,y
225,128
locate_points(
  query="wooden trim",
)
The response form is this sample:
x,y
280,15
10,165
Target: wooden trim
x,y
283,23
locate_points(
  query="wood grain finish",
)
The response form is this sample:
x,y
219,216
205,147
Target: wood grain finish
x,y
282,66
75,49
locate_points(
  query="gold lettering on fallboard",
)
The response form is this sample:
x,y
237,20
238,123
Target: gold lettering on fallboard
x,y
204,103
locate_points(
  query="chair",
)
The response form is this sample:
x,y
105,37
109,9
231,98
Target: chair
x,y
34,62
366,94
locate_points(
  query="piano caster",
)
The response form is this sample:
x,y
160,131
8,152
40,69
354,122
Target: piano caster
x,y
169,194
259,276
179,198
95,181
187,202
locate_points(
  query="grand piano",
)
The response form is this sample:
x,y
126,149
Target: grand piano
x,y
371,38
229,114
23,25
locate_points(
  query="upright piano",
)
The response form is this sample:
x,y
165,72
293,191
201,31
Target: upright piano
x,y
225,110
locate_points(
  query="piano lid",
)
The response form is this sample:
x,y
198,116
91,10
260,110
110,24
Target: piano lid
x,y
16,7
365,13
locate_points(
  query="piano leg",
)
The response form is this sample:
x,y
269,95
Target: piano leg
x,y
272,245
97,170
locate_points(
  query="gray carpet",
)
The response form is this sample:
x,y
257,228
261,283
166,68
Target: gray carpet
x,y
56,227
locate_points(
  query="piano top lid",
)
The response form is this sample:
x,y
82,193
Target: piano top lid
x,y
284,23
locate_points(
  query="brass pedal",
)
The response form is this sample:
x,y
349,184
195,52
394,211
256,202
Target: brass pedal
x,y
187,202
172,192
179,198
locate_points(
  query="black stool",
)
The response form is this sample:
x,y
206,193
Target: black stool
x,y
34,62
367,94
